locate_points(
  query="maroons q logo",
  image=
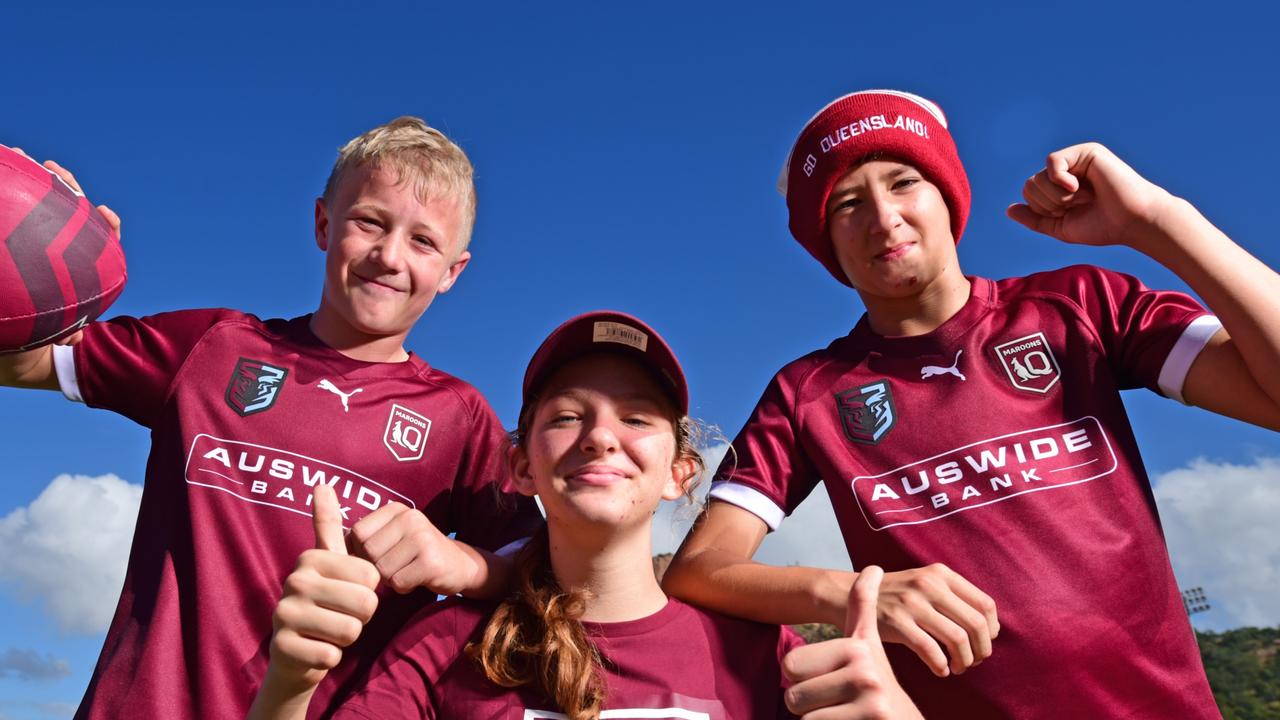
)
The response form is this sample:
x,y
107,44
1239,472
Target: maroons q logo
x,y
406,433
1029,363
254,386
866,412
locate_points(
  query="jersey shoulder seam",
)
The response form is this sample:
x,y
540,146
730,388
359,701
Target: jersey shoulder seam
x,y
241,318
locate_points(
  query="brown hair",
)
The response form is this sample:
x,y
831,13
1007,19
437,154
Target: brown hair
x,y
536,636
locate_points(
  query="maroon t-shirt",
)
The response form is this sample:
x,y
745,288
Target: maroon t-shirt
x,y
681,663
998,444
246,416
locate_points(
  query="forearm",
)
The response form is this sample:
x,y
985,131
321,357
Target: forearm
x,y
30,369
727,583
491,575
281,697
1240,289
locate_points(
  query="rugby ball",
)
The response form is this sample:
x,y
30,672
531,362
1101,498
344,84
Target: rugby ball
x,y
61,265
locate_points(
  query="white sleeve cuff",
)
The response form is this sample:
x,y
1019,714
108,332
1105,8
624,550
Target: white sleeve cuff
x,y
64,365
1174,372
749,499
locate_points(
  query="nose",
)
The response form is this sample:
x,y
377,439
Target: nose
x,y
388,251
885,214
598,439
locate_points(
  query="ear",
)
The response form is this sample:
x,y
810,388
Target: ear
x,y
682,473
322,225
519,472
455,270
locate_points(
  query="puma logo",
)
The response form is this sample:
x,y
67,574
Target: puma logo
x,y
929,371
324,384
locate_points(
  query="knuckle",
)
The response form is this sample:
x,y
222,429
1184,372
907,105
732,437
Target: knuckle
x,y
878,708
309,558
328,657
360,533
790,666
347,630
954,636
794,700
403,583
853,651
285,615
367,605
296,583
368,574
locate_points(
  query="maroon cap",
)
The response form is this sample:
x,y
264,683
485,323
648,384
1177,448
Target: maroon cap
x,y
898,124
606,331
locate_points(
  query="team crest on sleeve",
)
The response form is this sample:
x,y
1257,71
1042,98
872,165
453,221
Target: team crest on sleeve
x,y
867,412
1029,363
254,386
406,433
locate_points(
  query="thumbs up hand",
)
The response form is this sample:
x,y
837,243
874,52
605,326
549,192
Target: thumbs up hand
x,y
327,600
848,677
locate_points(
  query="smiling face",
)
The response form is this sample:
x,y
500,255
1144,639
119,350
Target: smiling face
x,y
600,446
890,230
388,253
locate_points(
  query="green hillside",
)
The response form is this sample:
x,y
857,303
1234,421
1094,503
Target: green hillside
x,y
1243,671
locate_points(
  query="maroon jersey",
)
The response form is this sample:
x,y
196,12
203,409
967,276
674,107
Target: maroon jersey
x,y
998,444
246,417
679,663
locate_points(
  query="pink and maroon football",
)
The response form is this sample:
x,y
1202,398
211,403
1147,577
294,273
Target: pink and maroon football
x,y
60,263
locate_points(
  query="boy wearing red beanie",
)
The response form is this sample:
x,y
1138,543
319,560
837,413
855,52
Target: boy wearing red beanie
x,y
972,430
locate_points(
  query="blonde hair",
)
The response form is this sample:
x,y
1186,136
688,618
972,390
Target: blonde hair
x,y
419,154
536,637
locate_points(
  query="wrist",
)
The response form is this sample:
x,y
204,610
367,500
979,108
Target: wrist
x,y
291,684
830,596
1164,229
474,570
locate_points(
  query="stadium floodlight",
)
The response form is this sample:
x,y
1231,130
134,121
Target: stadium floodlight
x,y
1194,600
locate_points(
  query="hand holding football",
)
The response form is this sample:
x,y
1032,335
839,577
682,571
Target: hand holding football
x,y
61,264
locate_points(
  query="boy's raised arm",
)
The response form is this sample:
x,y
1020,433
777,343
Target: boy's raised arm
x,y
925,609
1087,195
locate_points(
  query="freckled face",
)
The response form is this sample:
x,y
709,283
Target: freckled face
x,y
387,253
600,448
890,229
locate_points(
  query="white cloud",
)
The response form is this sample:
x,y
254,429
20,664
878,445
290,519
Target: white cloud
x,y
809,537
69,547
1220,523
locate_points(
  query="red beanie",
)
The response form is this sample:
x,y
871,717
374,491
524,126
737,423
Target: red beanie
x,y
897,124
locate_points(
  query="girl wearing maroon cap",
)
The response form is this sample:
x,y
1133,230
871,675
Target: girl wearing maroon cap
x,y
603,437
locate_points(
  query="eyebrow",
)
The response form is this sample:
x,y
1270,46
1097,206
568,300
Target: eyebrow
x,y
376,209
898,171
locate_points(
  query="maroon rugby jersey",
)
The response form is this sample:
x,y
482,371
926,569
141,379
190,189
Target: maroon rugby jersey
x,y
681,663
998,444
245,417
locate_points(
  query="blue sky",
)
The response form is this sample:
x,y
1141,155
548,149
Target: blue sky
x,y
626,158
